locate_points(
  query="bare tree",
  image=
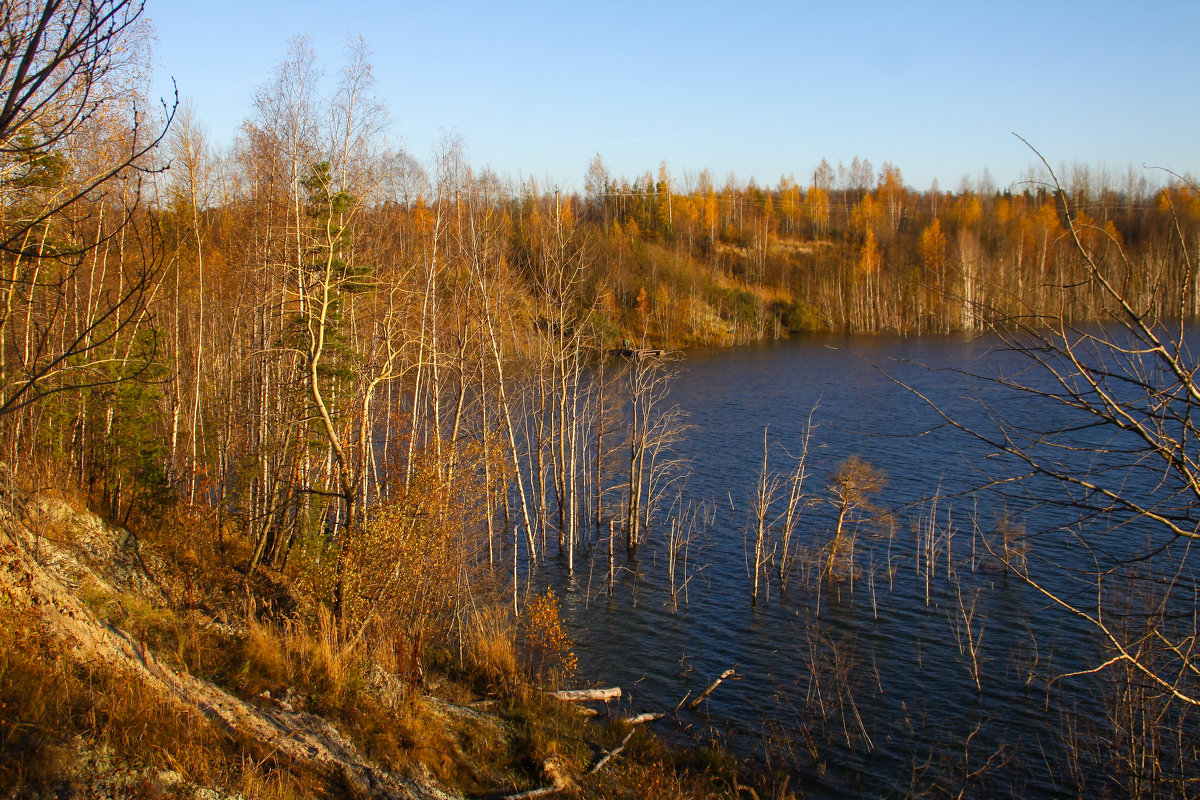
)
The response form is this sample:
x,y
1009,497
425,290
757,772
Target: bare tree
x,y
1098,425
770,487
796,502
653,430
569,341
968,632
73,147
189,154
684,528
766,490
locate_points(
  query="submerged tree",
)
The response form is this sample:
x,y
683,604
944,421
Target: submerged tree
x,y
852,484
771,487
652,431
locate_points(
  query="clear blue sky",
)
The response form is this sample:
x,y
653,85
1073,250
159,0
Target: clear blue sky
x,y
761,89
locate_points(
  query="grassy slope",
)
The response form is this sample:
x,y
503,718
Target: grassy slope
x,y
151,667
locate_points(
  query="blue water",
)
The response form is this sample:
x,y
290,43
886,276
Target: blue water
x,y
861,688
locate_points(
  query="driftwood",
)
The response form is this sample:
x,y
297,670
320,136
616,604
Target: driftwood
x,y
653,716
711,687
581,695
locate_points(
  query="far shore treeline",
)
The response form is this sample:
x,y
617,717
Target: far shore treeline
x,y
856,250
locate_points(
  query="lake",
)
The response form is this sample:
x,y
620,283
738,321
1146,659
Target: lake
x,y
864,684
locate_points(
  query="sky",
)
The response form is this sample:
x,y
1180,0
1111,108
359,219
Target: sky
x,y
756,89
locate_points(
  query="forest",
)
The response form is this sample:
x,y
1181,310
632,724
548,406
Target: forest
x,y
288,331
371,383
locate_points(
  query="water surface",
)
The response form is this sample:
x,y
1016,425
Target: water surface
x,y
862,687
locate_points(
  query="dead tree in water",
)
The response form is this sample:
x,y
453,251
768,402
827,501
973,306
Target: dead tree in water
x,y
760,506
796,501
654,428
852,484
769,487
682,531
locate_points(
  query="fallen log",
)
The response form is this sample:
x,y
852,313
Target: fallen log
x,y
711,688
581,695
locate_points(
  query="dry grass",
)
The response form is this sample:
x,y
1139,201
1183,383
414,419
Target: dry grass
x,y
31,701
57,715
489,647
310,660
68,723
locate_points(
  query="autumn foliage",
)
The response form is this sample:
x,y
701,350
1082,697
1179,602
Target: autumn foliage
x,y
546,640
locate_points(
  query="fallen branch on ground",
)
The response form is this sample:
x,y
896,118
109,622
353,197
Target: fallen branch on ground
x,y
558,782
611,754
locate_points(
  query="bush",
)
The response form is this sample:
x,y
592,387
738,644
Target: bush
x,y
546,642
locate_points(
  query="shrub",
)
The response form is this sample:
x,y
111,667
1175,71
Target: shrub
x,y
546,642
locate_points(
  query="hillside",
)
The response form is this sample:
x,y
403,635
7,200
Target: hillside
x,y
141,668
